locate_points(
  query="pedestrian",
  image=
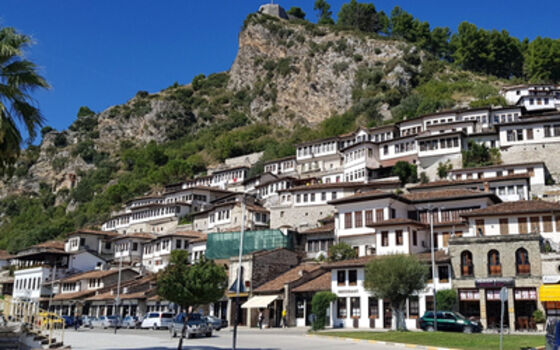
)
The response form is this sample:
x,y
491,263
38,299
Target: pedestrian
x,y
284,322
261,319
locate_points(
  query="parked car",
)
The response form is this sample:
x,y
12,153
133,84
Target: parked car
x,y
157,320
196,325
449,321
100,322
86,321
552,333
131,322
215,322
69,321
114,321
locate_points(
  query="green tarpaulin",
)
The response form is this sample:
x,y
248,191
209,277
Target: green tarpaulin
x,y
223,245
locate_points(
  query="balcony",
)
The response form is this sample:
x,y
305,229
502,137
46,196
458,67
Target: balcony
x,y
523,269
495,270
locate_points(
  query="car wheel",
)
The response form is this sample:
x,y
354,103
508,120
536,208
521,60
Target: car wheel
x,y
154,327
209,334
430,329
190,335
467,329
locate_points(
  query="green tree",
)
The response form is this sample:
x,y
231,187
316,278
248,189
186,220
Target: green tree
x,y
341,251
424,178
443,169
319,305
297,12
402,24
395,278
324,12
18,79
480,155
45,130
360,16
542,60
406,172
190,286
60,140
446,299
198,82
85,111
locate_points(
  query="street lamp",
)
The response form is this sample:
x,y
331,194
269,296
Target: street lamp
x,y
432,248
118,298
238,287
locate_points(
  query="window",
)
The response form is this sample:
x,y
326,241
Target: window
x,y
378,215
504,226
529,134
298,198
385,150
523,267
413,307
341,278
333,194
443,273
134,246
494,266
178,244
547,223
355,306
399,237
547,131
352,277
385,239
414,238
445,239
358,218
300,307
467,268
479,227
535,225
369,217
348,220
522,223
341,311
373,307
324,196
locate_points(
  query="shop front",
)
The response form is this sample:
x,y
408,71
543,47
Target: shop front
x,y
549,294
469,303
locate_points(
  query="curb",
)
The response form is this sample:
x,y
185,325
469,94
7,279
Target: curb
x,y
382,342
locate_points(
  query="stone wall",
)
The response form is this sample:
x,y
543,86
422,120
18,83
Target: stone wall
x,y
429,165
267,266
300,218
546,152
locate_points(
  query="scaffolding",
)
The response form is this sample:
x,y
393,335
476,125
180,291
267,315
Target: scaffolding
x,y
224,245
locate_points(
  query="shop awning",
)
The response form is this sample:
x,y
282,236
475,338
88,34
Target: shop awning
x,y
259,301
549,292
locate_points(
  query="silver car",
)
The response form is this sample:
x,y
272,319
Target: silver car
x,y
196,326
131,322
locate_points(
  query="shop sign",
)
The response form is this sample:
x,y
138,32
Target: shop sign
x,y
525,294
553,279
472,294
494,282
347,291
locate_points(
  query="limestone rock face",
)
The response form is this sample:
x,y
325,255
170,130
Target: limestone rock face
x,y
310,72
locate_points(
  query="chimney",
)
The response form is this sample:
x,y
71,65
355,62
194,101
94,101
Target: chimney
x,y
486,186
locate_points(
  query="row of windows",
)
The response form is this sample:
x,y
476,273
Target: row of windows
x,y
482,175
441,143
373,307
494,266
220,215
28,283
405,147
368,215
317,245
312,197
357,154
525,226
519,135
355,175
552,130
230,175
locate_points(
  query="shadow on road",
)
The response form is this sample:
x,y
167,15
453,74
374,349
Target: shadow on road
x,y
195,347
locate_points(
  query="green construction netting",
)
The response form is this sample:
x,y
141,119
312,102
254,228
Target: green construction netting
x,y
223,245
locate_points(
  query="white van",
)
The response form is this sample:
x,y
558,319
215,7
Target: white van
x,y
157,320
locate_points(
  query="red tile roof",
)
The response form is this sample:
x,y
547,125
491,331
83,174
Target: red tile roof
x,y
519,207
439,256
444,183
396,222
92,274
458,193
319,186
321,283
365,195
277,284
4,255
94,232
499,166
138,235
58,245
328,228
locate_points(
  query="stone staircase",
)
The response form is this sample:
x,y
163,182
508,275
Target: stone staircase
x,y
18,337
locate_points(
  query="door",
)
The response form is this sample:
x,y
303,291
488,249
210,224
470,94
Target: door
x,y
387,315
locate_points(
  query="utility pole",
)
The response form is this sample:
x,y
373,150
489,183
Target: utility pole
x,y
238,287
118,298
433,263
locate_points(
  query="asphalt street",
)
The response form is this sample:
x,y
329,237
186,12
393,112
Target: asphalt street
x,y
248,339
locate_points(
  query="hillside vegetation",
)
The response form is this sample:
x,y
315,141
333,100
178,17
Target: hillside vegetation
x,y
291,81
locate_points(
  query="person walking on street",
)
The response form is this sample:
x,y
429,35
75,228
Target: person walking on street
x,y
284,322
261,318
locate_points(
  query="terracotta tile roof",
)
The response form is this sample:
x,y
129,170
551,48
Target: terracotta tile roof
x,y
396,222
102,296
279,159
392,162
365,195
321,283
277,284
185,234
75,295
328,228
458,193
4,255
138,235
57,245
93,232
499,166
330,185
519,207
92,274
444,183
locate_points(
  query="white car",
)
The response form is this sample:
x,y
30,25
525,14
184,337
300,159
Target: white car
x,y
157,320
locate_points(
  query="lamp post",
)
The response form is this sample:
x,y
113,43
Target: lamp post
x,y
431,209
238,287
118,298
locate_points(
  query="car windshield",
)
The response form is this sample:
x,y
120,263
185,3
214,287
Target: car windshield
x,y
167,315
459,315
153,315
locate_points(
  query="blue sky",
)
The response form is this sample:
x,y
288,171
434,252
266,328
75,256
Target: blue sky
x,y
100,53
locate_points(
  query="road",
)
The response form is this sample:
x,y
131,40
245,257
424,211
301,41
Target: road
x,y
248,339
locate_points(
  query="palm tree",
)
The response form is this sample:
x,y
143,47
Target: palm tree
x,y
18,78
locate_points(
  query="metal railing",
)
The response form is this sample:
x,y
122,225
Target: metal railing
x,y
38,321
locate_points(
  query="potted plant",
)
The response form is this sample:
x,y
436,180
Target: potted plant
x,y
539,318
